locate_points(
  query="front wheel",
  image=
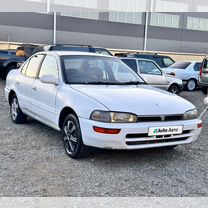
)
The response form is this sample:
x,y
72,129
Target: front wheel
x,y
174,89
72,137
17,115
191,85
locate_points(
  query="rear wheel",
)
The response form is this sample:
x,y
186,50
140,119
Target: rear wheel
x,y
191,85
174,89
17,115
72,137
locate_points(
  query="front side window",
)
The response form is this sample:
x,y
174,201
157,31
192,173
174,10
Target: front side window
x,y
49,67
97,70
147,67
33,66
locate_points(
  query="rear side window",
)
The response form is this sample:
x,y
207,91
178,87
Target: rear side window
x,y
131,63
197,66
24,68
102,51
33,66
168,61
181,65
49,67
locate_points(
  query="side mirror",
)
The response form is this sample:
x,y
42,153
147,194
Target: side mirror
x,y
206,101
49,79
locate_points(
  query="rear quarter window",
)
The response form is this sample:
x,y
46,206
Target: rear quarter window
x,y
181,65
131,63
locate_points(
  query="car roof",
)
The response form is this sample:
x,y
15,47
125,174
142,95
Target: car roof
x,y
73,53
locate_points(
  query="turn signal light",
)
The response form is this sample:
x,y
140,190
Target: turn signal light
x,y
200,125
106,131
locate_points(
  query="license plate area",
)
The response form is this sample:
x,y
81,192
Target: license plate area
x,y
165,130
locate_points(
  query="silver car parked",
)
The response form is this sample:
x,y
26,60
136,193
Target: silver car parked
x,y
154,75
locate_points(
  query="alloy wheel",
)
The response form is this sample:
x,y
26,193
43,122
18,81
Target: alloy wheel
x,y
15,107
70,137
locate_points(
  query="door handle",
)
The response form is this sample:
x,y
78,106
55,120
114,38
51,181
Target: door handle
x,y
34,88
17,83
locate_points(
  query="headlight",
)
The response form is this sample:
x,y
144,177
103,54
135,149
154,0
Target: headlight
x,y
113,117
191,114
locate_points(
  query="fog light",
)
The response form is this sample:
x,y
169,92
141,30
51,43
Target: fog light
x,y
106,131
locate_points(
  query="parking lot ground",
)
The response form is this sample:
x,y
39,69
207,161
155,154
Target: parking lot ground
x,y
33,163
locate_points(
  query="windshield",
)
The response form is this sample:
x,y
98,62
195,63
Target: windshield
x,y
98,70
181,65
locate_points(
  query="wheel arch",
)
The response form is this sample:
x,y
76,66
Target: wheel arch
x,y
64,112
11,93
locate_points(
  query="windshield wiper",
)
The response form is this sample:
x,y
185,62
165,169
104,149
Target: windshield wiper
x,y
101,83
131,83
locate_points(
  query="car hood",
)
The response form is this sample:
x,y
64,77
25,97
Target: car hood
x,y
140,100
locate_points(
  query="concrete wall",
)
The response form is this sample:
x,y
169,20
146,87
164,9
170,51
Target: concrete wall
x,y
38,28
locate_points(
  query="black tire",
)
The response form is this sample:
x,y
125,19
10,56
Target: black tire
x,y
191,85
72,138
8,69
17,115
204,90
174,89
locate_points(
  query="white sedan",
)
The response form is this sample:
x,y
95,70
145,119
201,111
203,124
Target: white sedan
x,y
98,101
188,71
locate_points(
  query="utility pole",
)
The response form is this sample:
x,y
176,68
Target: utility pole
x,y
150,10
54,28
48,6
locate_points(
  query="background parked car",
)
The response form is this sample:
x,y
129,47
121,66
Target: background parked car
x,y
188,71
9,59
161,60
154,75
73,47
203,78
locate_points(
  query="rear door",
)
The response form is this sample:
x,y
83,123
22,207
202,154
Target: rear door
x,y
152,74
25,81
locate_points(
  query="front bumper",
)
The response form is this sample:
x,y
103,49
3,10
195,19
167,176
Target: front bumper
x,y
135,136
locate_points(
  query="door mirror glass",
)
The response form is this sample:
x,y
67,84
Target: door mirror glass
x,y
49,79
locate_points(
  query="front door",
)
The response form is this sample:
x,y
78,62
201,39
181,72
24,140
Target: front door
x,y
44,95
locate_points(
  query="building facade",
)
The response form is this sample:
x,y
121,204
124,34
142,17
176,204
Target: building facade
x,y
118,24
